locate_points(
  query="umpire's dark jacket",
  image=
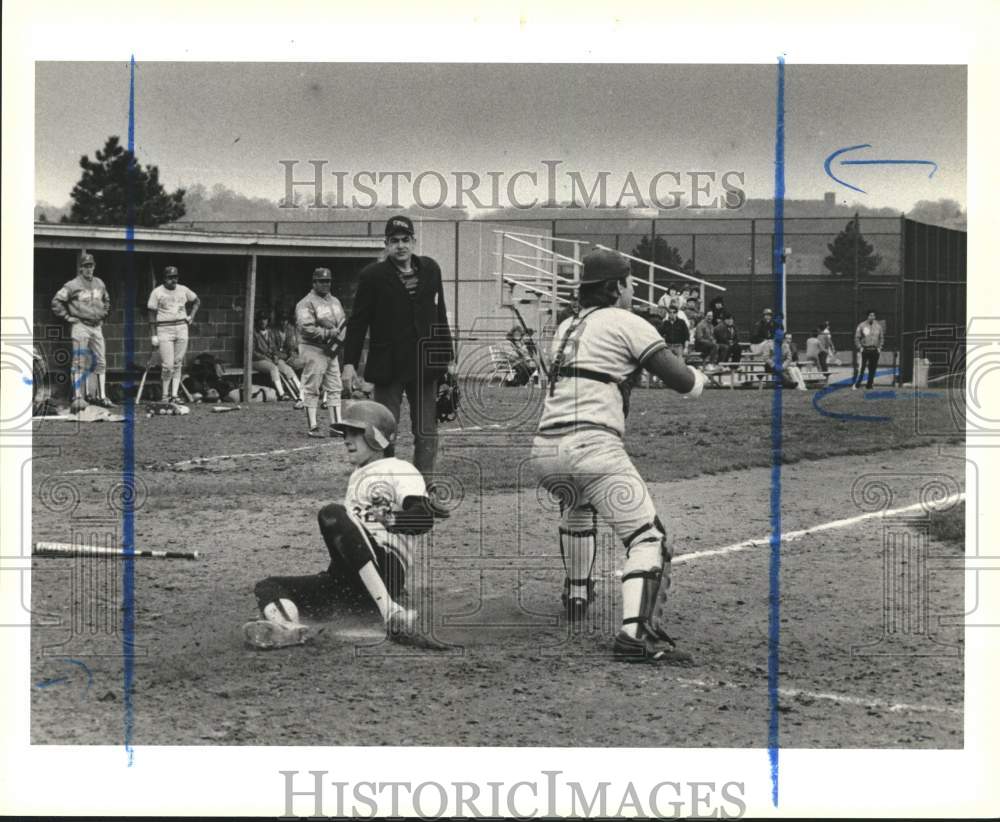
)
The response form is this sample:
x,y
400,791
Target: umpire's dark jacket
x,y
408,337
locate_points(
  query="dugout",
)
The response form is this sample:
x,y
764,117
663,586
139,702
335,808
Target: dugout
x,y
234,275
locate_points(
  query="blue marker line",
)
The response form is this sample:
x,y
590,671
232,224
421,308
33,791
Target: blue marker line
x,y
86,669
48,683
842,385
774,569
128,436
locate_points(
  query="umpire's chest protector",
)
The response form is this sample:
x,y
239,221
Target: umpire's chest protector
x,y
404,332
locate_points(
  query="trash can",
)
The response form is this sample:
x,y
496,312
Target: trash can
x,y
921,369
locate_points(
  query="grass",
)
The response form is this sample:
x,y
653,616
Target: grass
x,y
949,525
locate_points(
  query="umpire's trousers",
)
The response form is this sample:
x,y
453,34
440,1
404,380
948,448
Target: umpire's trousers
x,y
421,394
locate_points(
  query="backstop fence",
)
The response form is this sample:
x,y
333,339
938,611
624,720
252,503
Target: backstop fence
x,y
836,269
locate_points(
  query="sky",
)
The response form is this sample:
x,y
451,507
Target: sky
x,y
231,123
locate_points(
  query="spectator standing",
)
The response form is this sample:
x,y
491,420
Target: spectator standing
x,y
868,339
675,333
400,304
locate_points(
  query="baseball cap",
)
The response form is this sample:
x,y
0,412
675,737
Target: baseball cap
x,y
86,258
322,274
170,271
768,311
399,225
604,265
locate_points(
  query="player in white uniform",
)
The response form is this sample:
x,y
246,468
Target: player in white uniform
x,y
169,317
581,459
371,539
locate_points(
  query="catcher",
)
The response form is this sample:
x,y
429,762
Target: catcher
x,y
582,461
371,538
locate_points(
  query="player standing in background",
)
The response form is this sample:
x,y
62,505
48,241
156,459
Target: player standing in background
x,y
170,316
869,339
371,539
320,320
581,458
83,302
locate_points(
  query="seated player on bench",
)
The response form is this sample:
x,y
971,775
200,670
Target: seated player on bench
x,y
370,537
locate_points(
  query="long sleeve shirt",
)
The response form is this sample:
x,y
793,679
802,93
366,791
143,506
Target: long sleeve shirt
x,y
869,335
83,301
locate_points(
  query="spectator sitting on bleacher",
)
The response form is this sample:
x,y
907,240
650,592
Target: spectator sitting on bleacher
x,y
727,337
763,332
718,308
704,341
791,376
521,360
267,355
794,348
693,312
675,332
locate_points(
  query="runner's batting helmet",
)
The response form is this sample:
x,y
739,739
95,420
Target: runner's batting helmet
x,y
373,419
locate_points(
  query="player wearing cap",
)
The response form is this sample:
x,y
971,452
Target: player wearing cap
x,y
371,539
83,302
171,308
400,304
581,459
320,320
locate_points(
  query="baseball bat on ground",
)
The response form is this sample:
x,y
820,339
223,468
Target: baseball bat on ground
x,y
67,549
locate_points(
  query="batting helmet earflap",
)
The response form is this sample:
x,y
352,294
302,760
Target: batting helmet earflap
x,y
373,419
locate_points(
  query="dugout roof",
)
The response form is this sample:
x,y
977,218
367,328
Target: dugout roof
x,y
113,238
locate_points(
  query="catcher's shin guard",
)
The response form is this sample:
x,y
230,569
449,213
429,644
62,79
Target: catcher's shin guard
x,y
645,582
578,547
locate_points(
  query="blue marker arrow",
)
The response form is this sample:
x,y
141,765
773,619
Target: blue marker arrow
x,y
829,160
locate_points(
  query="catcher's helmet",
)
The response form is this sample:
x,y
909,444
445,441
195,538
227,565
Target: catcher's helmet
x,y
373,419
447,398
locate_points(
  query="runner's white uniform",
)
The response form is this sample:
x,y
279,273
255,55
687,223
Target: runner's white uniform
x,y
376,489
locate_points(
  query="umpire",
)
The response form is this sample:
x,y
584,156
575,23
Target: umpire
x,y
400,305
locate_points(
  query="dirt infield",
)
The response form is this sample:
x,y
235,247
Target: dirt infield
x,y
514,674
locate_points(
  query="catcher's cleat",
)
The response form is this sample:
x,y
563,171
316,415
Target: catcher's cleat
x,y
644,650
316,434
266,635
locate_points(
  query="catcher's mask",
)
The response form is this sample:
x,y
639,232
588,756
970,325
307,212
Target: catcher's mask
x,y
447,398
373,419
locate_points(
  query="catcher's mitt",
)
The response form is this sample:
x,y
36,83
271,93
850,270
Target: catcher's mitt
x,y
447,398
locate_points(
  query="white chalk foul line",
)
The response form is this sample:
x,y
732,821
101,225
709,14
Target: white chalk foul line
x,y
798,693
220,457
791,536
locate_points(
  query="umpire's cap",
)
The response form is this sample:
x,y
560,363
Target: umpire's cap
x,y
604,265
322,274
373,419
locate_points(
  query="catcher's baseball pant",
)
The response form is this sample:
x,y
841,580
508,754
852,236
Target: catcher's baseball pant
x,y
590,467
173,347
421,394
274,369
350,546
320,372
88,352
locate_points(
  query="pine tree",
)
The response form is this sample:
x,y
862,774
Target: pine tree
x,y
850,254
113,181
